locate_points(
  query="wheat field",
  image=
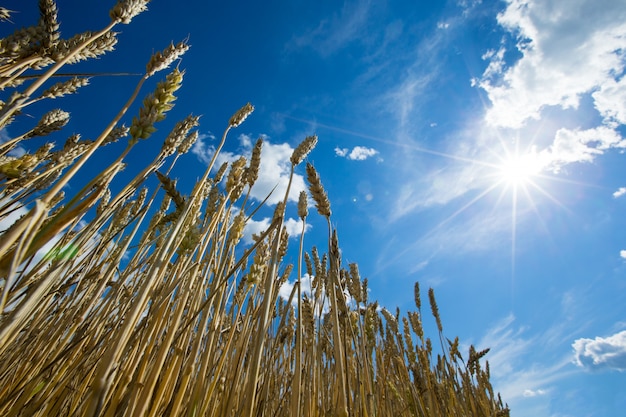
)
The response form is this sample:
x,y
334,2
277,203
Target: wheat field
x,y
149,303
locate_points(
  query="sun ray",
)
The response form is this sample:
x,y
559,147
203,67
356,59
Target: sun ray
x,y
391,142
430,232
521,172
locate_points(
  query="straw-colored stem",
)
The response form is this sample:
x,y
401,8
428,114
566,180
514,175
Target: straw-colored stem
x,y
10,108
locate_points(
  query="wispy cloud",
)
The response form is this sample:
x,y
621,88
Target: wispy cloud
x,y
601,353
274,170
336,32
440,186
417,66
464,231
358,153
515,374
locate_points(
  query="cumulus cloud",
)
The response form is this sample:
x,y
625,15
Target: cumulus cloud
x,y
579,146
622,254
203,151
285,290
602,352
562,58
307,288
569,51
620,192
358,153
293,226
273,172
610,100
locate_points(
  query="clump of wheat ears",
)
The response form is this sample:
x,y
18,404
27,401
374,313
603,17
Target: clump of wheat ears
x,y
159,308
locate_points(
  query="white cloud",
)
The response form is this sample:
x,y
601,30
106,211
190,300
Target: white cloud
x,y
579,146
285,290
602,352
622,254
620,192
307,288
343,152
273,172
293,226
15,152
14,210
610,100
568,49
358,153
255,227
534,393
201,149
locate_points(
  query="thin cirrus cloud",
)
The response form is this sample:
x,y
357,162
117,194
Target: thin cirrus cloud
x,y
333,34
580,54
358,153
274,170
601,353
516,377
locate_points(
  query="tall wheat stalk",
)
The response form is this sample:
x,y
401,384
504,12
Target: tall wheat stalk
x,y
155,306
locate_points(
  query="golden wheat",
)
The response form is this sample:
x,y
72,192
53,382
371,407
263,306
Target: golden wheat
x,y
147,310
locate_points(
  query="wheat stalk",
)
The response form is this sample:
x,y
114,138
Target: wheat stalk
x,y
151,310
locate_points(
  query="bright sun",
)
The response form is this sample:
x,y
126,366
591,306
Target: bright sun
x,y
518,170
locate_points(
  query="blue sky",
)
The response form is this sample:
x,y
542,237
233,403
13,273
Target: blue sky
x,y
474,146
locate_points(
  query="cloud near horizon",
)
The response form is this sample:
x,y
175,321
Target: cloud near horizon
x,y
601,353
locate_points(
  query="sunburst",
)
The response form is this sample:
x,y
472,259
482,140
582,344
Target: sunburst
x,y
519,170
520,175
